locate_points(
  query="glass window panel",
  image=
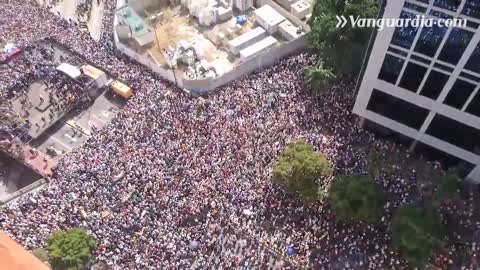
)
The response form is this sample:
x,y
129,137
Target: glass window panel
x,y
473,24
430,39
412,77
440,14
473,63
474,106
454,132
404,36
458,95
391,68
455,45
415,7
472,8
447,4
397,109
434,84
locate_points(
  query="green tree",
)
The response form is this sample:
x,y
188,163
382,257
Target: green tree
x,y
356,197
376,163
448,187
299,168
342,48
70,249
417,234
319,77
41,254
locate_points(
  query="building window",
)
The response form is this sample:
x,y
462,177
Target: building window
x,y
414,7
391,68
412,77
420,59
443,67
404,36
440,14
474,106
434,84
454,132
458,95
455,45
397,109
430,39
472,8
447,4
472,24
473,63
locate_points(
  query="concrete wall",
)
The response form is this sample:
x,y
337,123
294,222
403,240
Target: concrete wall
x,y
265,59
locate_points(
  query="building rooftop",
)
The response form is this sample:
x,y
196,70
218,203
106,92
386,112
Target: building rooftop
x,y
137,24
269,15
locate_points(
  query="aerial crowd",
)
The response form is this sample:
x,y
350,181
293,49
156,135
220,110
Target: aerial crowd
x,y
157,185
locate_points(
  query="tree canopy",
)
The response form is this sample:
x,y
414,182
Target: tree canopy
x,y
343,48
417,233
41,254
356,197
299,168
448,187
319,77
70,249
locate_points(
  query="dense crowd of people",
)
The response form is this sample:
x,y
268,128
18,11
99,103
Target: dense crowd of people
x,y
158,184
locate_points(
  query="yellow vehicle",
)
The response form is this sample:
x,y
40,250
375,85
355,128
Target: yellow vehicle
x,y
122,90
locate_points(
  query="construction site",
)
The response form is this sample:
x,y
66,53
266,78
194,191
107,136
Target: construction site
x,y
200,41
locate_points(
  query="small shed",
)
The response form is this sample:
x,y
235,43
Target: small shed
x,y
268,18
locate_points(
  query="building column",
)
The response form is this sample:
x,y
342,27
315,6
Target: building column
x,y
361,123
412,146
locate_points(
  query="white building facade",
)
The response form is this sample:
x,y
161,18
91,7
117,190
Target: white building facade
x,y
424,83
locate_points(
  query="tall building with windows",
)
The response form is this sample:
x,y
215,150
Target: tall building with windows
x,y
422,84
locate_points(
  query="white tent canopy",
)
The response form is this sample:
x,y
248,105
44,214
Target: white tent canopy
x,y
70,70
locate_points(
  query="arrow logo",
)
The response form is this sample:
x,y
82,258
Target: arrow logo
x,y
341,21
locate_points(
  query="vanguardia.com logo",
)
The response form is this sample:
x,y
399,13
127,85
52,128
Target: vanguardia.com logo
x,y
382,23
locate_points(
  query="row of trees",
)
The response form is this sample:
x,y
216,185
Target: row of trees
x,y
416,232
342,49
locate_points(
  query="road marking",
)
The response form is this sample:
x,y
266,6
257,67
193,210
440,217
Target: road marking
x,y
75,125
103,122
60,142
70,137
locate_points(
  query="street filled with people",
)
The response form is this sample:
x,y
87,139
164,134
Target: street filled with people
x,y
159,183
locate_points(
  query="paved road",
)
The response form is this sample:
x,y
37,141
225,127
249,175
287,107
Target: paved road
x,y
228,243
67,9
77,126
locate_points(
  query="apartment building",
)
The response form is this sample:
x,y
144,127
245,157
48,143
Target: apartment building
x,y
423,83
